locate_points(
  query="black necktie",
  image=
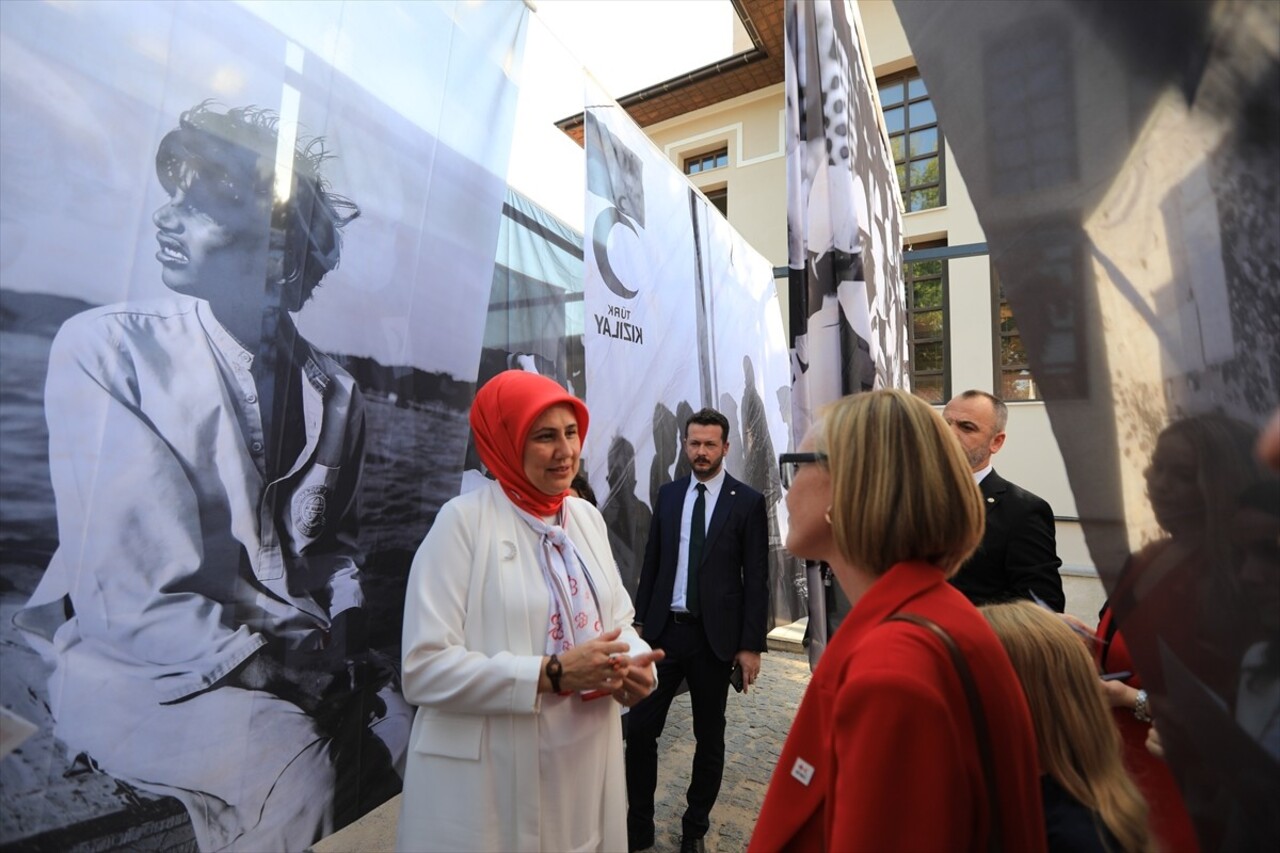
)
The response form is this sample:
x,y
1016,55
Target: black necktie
x,y
697,534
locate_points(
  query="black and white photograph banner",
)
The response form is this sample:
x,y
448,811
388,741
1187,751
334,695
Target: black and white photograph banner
x,y
844,218
245,266
680,314
844,232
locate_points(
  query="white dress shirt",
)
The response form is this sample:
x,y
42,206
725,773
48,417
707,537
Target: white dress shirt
x,y
686,517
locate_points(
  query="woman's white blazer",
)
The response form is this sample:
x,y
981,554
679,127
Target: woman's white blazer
x,y
474,637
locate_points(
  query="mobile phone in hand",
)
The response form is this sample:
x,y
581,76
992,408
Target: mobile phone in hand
x,y
735,676
1117,676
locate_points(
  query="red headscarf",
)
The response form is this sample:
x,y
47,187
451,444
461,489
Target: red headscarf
x,y
501,417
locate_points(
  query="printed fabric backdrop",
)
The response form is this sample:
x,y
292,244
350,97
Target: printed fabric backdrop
x,y
680,313
1136,231
844,229
246,256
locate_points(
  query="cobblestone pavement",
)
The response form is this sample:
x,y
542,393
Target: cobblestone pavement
x,y
757,723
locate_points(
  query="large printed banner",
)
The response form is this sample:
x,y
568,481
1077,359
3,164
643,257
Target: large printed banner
x,y
245,262
844,219
680,314
1136,231
844,228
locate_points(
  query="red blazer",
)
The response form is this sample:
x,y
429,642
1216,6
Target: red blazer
x,y
882,755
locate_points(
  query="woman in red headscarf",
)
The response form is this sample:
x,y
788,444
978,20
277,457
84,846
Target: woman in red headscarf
x,y
518,646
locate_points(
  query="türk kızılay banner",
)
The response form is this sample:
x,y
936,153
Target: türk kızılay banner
x,y
680,314
245,267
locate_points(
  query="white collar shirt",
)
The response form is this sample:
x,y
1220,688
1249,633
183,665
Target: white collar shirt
x,y
175,398
686,517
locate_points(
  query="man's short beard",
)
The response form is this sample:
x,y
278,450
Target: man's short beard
x,y
715,469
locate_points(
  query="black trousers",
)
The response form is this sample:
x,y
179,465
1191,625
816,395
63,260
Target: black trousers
x,y
689,657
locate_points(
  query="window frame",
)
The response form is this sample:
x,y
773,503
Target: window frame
x,y
905,77
1015,103
998,336
719,193
944,338
701,159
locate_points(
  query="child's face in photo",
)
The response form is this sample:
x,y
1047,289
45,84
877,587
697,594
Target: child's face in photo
x,y
212,246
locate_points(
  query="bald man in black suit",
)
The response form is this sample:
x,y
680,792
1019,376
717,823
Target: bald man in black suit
x,y
1018,556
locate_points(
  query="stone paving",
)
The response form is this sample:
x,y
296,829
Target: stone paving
x,y
756,726
757,723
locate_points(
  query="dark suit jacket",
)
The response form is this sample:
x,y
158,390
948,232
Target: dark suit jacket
x,y
733,579
1018,555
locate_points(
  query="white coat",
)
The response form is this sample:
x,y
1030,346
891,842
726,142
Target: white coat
x,y
474,638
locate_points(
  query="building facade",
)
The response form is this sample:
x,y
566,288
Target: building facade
x,y
962,333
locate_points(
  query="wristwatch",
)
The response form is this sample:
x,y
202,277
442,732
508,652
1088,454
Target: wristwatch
x,y
554,671
1141,708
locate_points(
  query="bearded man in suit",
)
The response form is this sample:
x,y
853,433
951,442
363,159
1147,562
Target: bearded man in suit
x,y
704,599
1018,556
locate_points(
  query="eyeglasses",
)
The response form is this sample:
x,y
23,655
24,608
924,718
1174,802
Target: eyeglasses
x,y
789,463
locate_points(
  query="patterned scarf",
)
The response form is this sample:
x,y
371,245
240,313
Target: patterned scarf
x,y
573,616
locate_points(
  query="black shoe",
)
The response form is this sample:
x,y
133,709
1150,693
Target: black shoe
x,y
636,844
689,844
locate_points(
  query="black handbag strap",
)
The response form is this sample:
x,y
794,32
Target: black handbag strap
x,y
982,732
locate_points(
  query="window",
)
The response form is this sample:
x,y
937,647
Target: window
x,y
705,162
1013,374
720,198
1029,85
914,139
926,285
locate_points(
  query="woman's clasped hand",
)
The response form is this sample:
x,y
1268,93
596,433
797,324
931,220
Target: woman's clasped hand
x,y
603,664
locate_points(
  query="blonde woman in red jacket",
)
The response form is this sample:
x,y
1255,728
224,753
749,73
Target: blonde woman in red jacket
x,y
886,751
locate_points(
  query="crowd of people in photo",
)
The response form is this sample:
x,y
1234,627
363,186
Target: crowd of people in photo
x,y
949,711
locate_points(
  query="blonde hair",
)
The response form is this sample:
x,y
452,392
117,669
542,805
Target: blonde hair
x,y
1078,739
900,486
